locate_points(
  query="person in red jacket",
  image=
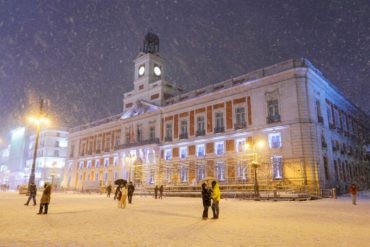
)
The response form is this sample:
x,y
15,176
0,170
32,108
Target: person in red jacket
x,y
353,190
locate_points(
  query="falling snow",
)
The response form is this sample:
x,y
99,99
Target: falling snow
x,y
79,54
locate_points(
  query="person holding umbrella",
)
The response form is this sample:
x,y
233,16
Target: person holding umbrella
x,y
206,198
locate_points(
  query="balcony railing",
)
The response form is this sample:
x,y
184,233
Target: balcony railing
x,y
273,119
183,136
168,139
219,129
139,143
240,125
201,132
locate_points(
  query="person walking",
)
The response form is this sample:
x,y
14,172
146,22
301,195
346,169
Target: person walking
x,y
116,192
206,198
161,192
109,190
353,190
216,196
130,189
156,191
32,195
45,199
123,195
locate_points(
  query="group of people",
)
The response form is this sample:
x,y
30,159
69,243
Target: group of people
x,y
45,198
122,193
4,187
211,197
160,189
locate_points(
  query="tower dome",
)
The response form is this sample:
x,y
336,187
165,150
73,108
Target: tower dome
x,y
151,43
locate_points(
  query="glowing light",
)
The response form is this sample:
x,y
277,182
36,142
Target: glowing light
x,y
39,120
18,133
260,143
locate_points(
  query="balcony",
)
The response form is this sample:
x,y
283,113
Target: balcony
x,y
219,129
168,139
139,143
273,119
320,119
240,125
183,136
201,132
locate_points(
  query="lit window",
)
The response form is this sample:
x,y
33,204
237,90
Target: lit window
x,y
241,170
219,148
220,170
201,172
275,140
106,162
89,164
240,145
81,165
200,150
277,167
115,161
168,154
96,176
183,152
183,174
97,163
219,119
105,177
168,174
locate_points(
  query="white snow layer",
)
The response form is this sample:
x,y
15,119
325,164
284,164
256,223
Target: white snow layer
x,y
95,220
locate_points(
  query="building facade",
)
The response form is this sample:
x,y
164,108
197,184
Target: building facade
x,y
51,156
286,119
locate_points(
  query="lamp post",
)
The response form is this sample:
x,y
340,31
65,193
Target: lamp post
x,y
38,120
260,144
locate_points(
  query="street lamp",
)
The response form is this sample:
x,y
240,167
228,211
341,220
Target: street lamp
x,y
259,144
37,120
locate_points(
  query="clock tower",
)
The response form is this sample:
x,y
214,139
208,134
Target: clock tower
x,y
149,83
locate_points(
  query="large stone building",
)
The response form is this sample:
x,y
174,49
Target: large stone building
x,y
296,125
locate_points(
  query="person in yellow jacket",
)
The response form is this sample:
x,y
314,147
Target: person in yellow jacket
x,y
122,199
216,196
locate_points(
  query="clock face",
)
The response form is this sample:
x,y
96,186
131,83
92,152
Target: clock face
x,y
157,71
141,70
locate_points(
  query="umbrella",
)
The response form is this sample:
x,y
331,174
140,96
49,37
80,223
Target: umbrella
x,y
120,181
207,180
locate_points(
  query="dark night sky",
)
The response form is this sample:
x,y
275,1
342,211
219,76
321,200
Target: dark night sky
x,y
79,54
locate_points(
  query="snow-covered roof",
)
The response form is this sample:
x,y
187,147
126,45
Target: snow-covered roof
x,y
139,108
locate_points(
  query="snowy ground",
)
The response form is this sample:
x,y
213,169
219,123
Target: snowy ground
x,y
94,220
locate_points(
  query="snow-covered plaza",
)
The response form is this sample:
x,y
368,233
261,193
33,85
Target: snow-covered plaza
x,y
95,220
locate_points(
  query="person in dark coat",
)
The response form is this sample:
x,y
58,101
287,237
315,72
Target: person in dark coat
x,y
206,198
33,192
160,192
156,191
353,190
118,189
131,189
45,199
109,190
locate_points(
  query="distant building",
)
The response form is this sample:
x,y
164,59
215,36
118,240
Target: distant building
x,y
313,136
51,155
4,158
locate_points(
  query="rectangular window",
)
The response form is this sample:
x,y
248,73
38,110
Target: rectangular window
x,y
183,152
98,145
240,118
81,165
200,126
151,176
107,144
318,112
184,174
168,132
273,111
105,177
168,174
117,141
97,177
200,150
106,162
97,163
326,168
56,153
152,132
219,148
274,140
329,115
219,119
88,164
139,132
277,167
201,172
240,145
241,170
115,161
184,127
220,170
168,154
